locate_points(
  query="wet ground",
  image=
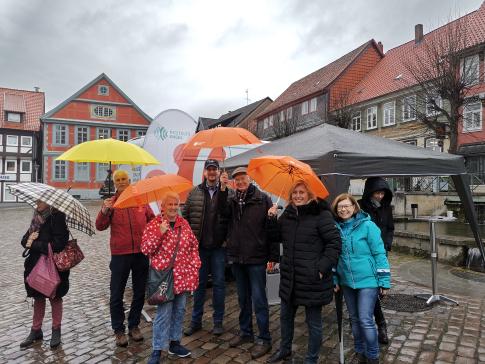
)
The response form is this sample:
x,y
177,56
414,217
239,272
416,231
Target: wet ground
x,y
443,334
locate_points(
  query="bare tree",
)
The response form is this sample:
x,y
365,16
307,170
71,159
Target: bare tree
x,y
342,116
283,127
443,79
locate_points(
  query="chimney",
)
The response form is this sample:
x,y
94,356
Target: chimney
x,y
418,33
380,46
36,88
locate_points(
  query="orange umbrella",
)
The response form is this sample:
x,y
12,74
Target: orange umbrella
x,y
277,174
221,137
152,189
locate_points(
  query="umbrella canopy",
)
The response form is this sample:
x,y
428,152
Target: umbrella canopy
x,y
77,216
221,137
152,189
108,151
277,174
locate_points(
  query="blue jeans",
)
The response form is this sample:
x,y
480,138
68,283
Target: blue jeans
x,y
314,322
213,261
251,291
360,304
168,323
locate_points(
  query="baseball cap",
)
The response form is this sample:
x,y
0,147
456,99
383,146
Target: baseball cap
x,y
239,170
211,163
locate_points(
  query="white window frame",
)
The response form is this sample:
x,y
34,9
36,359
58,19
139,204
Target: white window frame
x,y
304,107
356,120
389,118
140,133
118,133
270,121
433,112
467,112
371,111
16,144
22,161
14,163
411,107
60,164
103,112
1,139
23,138
98,133
57,131
434,144
282,115
265,123
103,93
103,170
289,113
77,168
15,120
313,104
77,133
466,69
7,191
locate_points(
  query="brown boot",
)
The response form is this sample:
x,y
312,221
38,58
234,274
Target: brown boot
x,y
120,339
135,334
239,340
259,350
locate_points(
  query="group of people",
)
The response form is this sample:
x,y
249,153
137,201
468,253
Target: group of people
x,y
324,249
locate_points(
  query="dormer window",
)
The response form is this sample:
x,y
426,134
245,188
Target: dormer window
x,y
14,117
103,112
103,90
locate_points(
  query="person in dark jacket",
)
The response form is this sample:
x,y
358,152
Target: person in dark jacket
x,y
48,226
127,227
376,201
200,210
311,247
248,252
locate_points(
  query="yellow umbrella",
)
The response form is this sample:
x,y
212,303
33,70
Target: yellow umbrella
x,y
110,151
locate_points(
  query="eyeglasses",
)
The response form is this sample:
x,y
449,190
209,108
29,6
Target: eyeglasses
x,y
344,207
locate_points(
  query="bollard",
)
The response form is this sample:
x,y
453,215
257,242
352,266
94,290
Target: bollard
x,y
414,210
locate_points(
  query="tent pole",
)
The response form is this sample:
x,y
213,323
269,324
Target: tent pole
x,y
466,198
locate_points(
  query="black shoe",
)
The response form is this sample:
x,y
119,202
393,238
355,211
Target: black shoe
x,y
239,340
278,356
382,334
55,338
177,349
218,329
257,351
358,358
192,330
373,361
34,335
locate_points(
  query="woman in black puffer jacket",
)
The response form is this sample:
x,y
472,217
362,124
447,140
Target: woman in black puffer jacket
x,y
311,247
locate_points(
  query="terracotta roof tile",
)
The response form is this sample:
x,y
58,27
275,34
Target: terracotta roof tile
x,y
29,102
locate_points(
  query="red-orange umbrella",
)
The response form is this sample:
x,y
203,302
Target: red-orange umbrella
x,y
222,137
152,189
277,174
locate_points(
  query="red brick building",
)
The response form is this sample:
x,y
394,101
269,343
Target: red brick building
x,y
99,110
20,141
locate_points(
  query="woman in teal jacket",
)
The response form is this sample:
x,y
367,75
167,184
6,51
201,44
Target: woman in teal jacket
x,y
362,273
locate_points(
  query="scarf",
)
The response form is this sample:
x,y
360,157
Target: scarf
x,y
38,219
240,197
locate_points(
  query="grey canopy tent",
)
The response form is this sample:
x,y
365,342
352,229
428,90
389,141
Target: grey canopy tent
x,y
333,151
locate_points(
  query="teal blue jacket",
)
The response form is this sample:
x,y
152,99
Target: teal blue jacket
x,y
363,262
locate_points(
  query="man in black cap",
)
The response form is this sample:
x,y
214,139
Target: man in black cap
x,y
248,252
200,210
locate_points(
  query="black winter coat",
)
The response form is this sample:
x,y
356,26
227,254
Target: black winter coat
x,y
194,211
382,215
54,230
311,245
247,242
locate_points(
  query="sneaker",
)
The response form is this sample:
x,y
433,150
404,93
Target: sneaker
x,y
177,349
239,340
120,339
135,334
218,329
34,335
192,330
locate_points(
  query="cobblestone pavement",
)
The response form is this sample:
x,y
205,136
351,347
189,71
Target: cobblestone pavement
x,y
444,334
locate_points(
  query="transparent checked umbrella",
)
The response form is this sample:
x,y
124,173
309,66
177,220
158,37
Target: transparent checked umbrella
x,y
77,216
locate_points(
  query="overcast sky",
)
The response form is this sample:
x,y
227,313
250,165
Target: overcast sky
x,y
197,56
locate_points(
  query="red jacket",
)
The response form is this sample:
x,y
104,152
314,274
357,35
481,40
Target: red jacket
x,y
127,227
160,249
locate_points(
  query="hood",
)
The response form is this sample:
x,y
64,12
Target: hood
x,y
360,217
373,184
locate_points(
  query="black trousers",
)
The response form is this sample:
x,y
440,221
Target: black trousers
x,y
120,267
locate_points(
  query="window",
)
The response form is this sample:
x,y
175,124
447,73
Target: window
x,y
389,113
60,170
372,117
411,142
12,140
11,166
282,115
304,107
101,171
430,108
472,117
289,113
82,134
433,144
14,117
104,112
409,108
1,139
7,196
265,123
26,141
356,121
25,166
313,104
81,173
471,70
140,133
123,135
103,133
270,121
60,134
103,90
